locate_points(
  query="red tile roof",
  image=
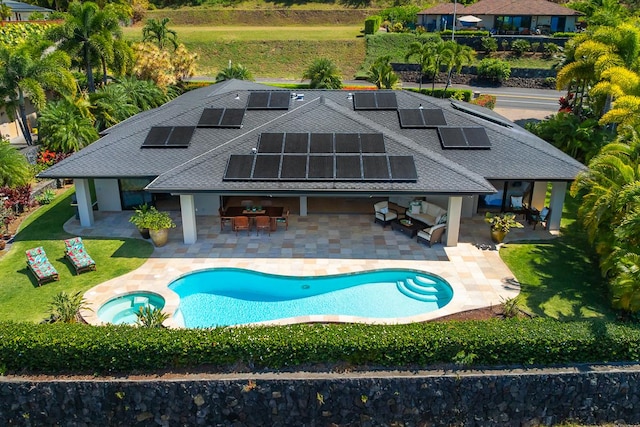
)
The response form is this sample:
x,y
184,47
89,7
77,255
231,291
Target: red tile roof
x,y
504,7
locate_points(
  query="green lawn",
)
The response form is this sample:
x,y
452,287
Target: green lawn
x,y
20,297
560,278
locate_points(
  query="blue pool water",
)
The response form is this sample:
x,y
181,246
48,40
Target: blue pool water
x,y
229,296
123,309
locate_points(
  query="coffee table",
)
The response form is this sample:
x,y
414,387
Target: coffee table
x,y
408,229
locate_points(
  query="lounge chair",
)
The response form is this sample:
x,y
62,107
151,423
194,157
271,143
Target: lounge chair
x,y
432,235
383,214
40,266
241,223
76,253
263,223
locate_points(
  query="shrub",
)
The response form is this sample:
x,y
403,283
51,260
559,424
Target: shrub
x,y
469,33
550,49
459,94
489,44
485,100
494,69
505,45
535,46
564,34
550,82
45,197
372,24
520,46
60,347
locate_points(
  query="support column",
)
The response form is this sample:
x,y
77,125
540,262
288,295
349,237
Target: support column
x,y
558,191
303,205
188,212
454,213
83,198
539,194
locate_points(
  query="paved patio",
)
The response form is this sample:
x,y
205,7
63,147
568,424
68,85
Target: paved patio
x,y
314,245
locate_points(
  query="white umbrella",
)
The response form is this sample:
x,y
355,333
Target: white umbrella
x,y
469,18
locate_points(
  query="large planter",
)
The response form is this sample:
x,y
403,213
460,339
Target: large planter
x,y
159,237
144,232
498,235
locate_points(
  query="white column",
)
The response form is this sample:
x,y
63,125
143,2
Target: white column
x,y
558,191
539,194
188,212
454,213
83,197
303,205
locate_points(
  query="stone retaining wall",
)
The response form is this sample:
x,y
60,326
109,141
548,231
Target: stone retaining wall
x,y
582,395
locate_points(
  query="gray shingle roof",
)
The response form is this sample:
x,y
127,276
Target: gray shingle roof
x,y
515,153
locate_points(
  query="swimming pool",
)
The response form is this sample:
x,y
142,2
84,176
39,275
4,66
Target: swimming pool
x,y
123,309
231,296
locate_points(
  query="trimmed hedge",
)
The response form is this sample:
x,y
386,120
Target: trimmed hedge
x,y
372,24
461,94
26,347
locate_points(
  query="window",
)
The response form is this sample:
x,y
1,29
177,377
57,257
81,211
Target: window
x,y
132,192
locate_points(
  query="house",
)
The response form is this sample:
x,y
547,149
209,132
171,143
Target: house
x,y
240,138
22,11
509,17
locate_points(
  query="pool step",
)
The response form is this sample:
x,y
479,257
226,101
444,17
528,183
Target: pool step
x,y
420,288
404,289
425,280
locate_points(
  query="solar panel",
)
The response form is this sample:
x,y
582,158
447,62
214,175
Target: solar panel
x,y
321,167
296,143
348,167
321,143
258,100
364,101
452,137
294,167
239,166
433,117
232,118
372,143
386,101
210,117
410,118
375,167
477,138
267,167
279,100
157,136
347,143
403,168
180,136
270,143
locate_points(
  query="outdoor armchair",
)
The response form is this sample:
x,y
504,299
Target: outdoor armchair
x,y
76,253
40,266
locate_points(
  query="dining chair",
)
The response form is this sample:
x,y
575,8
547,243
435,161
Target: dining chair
x,y
241,223
284,219
263,223
224,220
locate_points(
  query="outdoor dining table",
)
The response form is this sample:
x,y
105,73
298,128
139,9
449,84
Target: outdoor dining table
x,y
273,212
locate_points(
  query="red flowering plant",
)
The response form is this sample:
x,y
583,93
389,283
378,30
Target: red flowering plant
x,y
47,158
565,103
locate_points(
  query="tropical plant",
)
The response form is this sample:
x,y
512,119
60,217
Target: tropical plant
x,y
502,222
14,167
140,215
494,69
156,31
162,67
5,11
157,220
381,73
144,94
151,317
45,197
66,308
67,126
323,74
510,306
110,105
489,44
88,33
520,46
456,56
234,71
428,52
28,70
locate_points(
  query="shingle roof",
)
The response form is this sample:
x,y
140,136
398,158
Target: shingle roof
x,y
515,153
504,7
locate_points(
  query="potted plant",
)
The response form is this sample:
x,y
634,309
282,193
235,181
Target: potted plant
x,y
501,224
158,224
139,219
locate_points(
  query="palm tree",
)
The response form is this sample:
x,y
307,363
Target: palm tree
x,y
381,73
65,127
429,53
144,94
323,74
236,71
27,70
89,33
456,56
156,31
14,167
110,105
65,308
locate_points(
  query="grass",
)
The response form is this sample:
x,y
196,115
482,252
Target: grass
x,y
560,278
20,297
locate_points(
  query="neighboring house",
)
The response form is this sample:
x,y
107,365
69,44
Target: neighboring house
x,y
21,11
509,17
257,141
10,129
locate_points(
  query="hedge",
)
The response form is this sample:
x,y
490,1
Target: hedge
x,y
372,24
76,348
461,94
